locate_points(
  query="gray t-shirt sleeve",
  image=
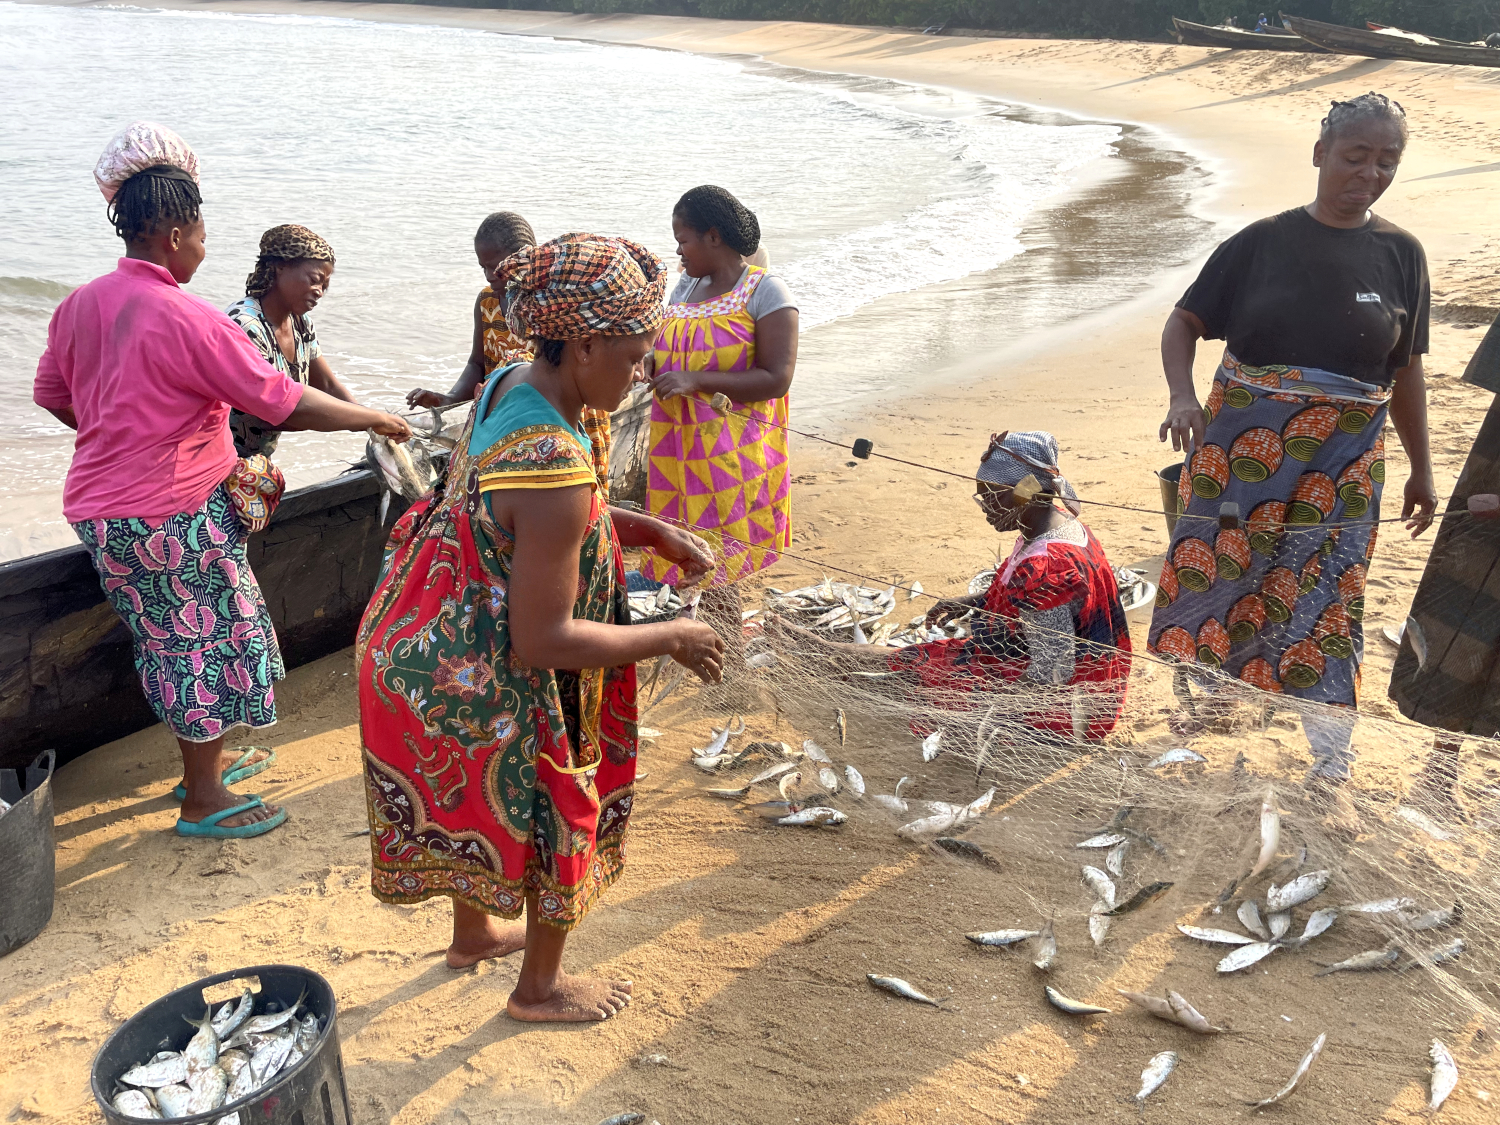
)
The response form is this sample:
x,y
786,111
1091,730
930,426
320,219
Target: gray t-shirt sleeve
x,y
771,294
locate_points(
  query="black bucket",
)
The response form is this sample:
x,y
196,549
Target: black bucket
x,y
1169,479
28,864
310,1093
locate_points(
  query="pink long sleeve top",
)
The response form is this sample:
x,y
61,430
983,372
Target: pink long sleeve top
x,y
151,372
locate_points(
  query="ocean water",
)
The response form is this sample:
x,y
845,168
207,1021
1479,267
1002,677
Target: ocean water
x,y
394,141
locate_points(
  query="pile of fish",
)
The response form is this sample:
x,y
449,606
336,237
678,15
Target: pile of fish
x,y
406,470
645,604
844,610
233,1054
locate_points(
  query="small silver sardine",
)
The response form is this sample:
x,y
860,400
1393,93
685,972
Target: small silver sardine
x,y
1002,937
1157,1071
270,1021
1098,925
1114,862
891,804
712,763
232,1014
1380,906
1298,891
1249,916
1044,948
815,817
133,1103
828,779
207,1089
1189,1016
1432,919
1156,1005
931,745
1246,955
1220,937
771,773
1301,1072
771,810
1439,956
1073,1007
1279,923
1106,840
1270,832
1444,1074
203,1048
789,782
913,591
898,987
1176,757
271,1056
721,738
169,1071
729,794
927,825
307,1033
855,780
1102,886
841,724
1317,924
815,752
1363,962
174,1100
232,1061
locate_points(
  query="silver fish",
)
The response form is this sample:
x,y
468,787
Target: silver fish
x,y
1444,1074
395,467
1418,641
271,1055
761,660
1219,937
1098,925
828,779
1439,956
1189,1016
1317,923
815,752
168,1071
841,724
729,794
1156,1005
174,1100
898,987
815,817
927,825
771,810
713,763
207,1089
721,739
771,773
1432,919
931,745
1270,832
202,1050
231,1015
1176,757
232,1061
1246,955
308,1033
1418,819
1044,948
1143,897
891,804
1114,862
855,781
133,1103
1279,923
1298,891
270,1021
1301,1072
1249,916
913,591
1363,962
1380,906
1073,1007
981,804
1106,840
788,782
1002,937
1101,885
1157,1071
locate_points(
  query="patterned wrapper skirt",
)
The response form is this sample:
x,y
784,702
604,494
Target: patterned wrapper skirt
x,y
1277,602
1457,610
204,645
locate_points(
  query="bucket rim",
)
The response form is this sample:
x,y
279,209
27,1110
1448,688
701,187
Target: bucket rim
x,y
208,982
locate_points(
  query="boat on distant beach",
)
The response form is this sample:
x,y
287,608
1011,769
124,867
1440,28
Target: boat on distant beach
x,y
1387,29
1236,38
1390,44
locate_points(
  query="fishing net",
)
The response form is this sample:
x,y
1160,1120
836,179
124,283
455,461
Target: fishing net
x,y
1190,788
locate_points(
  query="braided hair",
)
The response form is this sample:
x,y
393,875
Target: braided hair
x,y
505,230
709,208
1366,107
158,194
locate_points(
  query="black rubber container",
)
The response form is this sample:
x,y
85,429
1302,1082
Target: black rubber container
x,y
28,864
310,1093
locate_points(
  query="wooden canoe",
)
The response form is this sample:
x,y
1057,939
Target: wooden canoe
x,y
1379,45
1234,38
1389,30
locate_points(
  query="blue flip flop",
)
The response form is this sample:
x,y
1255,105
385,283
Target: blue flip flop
x,y
210,827
238,771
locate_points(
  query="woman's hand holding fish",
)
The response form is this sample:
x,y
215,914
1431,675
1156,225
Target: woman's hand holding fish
x,y
688,551
699,649
392,426
949,608
427,399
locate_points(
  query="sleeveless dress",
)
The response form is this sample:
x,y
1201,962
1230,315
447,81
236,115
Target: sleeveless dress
x,y
723,476
489,780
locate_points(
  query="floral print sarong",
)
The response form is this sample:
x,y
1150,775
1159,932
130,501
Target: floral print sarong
x,y
204,645
1277,602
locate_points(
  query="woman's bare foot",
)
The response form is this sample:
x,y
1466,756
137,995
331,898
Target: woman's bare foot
x,y
570,1000
227,759
500,941
200,805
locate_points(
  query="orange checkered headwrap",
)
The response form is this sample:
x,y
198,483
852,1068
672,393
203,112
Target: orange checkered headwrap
x,y
582,284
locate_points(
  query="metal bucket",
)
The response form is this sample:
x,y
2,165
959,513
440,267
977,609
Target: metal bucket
x,y
1169,478
28,867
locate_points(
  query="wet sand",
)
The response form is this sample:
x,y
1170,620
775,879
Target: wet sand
x,y
748,947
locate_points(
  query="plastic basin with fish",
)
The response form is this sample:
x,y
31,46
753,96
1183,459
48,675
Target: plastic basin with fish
x,y
310,1093
28,867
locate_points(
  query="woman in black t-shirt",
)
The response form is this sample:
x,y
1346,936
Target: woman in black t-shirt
x,y
1324,310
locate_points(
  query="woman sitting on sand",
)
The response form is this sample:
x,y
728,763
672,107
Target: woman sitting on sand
x,y
1324,310
495,777
1051,617
731,329
290,277
146,374
500,235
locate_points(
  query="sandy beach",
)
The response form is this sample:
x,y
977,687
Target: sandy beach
x,y
748,948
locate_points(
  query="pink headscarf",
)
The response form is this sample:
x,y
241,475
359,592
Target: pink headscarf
x,y
135,148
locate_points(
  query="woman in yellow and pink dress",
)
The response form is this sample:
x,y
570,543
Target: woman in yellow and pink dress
x,y
731,329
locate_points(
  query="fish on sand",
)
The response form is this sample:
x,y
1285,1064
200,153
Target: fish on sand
x,y
1297,1076
898,987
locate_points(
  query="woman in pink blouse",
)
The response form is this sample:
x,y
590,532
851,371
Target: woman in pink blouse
x,y
146,373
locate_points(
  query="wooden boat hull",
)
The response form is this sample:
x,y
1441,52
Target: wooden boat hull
x,y
1373,26
1202,35
1374,45
69,681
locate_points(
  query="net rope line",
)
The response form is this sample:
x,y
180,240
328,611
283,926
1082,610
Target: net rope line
x,y
1287,529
